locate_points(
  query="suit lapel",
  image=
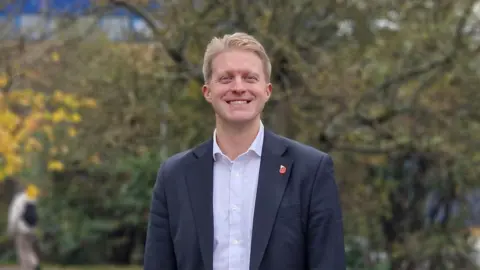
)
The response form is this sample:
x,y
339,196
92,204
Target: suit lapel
x,y
271,186
200,189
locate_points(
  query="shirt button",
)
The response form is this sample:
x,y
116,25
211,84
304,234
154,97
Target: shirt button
x,y
236,242
235,208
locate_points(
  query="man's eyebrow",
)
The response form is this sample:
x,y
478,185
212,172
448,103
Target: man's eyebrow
x,y
243,72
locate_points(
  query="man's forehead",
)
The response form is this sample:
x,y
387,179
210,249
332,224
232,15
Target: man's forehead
x,y
236,67
233,70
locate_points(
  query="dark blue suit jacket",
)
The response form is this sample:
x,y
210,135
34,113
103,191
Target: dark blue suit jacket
x,y
297,220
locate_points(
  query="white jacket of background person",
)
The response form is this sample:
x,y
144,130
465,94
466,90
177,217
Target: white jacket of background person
x,y
22,212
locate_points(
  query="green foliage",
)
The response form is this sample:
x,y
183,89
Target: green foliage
x,y
79,218
134,195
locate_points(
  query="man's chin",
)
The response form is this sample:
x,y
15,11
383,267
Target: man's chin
x,y
240,120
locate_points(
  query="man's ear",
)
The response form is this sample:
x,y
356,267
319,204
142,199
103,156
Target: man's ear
x,y
206,93
269,90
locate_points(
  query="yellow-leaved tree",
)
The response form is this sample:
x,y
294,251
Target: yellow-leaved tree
x,y
27,116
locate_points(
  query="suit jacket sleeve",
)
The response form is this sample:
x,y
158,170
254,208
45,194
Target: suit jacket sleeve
x,y
159,253
325,226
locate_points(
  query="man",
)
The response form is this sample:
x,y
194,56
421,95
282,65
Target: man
x,y
247,198
22,222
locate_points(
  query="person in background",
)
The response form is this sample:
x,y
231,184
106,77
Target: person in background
x,y
22,223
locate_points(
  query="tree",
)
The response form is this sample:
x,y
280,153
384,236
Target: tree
x,y
26,117
373,90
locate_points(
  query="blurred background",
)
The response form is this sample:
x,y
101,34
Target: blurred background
x,y
95,94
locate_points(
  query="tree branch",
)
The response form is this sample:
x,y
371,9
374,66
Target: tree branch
x,y
413,73
177,52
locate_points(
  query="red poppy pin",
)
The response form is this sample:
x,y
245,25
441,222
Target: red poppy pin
x,y
283,169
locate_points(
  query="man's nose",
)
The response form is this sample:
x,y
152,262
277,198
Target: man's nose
x,y
238,91
238,84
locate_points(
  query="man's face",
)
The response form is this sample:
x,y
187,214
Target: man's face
x,y
238,88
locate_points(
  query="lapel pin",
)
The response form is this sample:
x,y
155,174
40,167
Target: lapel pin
x,y
282,169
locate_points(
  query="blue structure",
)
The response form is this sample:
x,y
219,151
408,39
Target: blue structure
x,y
37,19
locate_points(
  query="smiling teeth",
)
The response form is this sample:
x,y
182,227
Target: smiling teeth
x,y
238,102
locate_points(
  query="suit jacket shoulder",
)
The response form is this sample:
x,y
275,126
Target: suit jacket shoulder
x,y
177,162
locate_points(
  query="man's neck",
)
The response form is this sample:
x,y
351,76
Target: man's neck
x,y
235,140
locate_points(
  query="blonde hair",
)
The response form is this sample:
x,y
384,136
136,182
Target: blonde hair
x,y
237,40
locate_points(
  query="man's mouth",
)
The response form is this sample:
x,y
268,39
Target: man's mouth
x,y
238,102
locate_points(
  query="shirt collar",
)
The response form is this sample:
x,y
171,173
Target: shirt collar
x,y
255,147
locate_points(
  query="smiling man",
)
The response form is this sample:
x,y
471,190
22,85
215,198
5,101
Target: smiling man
x,y
247,198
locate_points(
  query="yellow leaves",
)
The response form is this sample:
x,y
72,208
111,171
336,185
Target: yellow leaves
x,y
58,96
72,132
18,95
55,165
8,120
54,151
41,114
89,103
49,132
55,56
7,148
10,165
71,102
75,118
39,101
3,80
59,116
